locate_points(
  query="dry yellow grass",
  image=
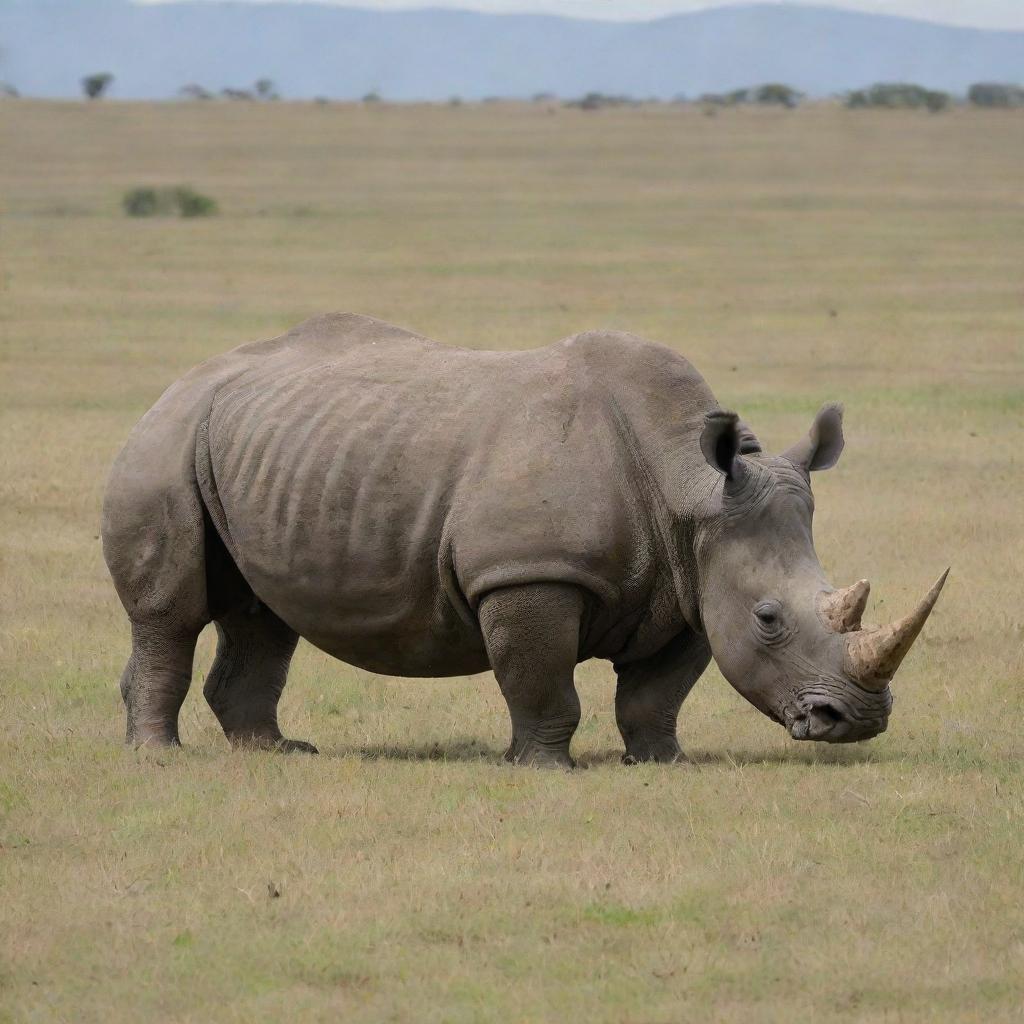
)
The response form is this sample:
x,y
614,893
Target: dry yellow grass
x,y
795,257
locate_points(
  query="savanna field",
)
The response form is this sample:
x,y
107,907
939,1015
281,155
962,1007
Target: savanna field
x,y
407,873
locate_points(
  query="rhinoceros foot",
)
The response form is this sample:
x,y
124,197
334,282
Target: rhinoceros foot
x,y
295,747
663,750
279,745
536,755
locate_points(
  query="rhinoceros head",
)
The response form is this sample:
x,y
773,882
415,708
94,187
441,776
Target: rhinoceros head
x,y
793,645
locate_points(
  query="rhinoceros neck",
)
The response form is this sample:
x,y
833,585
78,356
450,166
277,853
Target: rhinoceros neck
x,y
658,402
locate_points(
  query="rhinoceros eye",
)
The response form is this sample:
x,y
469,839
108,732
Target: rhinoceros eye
x,y
768,620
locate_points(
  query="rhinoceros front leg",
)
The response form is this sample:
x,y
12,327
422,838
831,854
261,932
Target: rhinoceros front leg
x,y
532,635
650,693
254,650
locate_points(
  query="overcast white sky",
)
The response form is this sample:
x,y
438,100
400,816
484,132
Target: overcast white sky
x,y
980,13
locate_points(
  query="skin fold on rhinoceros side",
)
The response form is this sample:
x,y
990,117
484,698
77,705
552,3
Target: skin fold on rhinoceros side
x,y
421,510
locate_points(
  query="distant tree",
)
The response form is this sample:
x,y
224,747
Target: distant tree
x,y
893,95
724,99
995,94
598,100
9,91
321,101
543,97
265,89
94,86
454,101
192,91
236,94
372,97
777,94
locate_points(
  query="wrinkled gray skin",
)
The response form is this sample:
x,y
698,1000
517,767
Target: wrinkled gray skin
x,y
420,510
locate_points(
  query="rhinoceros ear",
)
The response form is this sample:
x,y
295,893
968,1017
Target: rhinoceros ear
x,y
822,446
720,441
749,444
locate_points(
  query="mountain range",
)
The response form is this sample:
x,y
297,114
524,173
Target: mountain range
x,y
309,49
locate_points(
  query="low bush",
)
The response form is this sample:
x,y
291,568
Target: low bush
x,y
154,202
141,202
193,204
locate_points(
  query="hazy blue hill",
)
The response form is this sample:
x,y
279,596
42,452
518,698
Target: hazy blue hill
x,y
309,49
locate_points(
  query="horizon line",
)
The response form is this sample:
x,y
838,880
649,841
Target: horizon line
x,y
433,5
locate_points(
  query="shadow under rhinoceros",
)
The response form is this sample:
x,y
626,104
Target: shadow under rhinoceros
x,y
450,750
471,750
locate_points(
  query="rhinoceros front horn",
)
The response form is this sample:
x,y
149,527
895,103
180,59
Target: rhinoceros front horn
x,y
873,654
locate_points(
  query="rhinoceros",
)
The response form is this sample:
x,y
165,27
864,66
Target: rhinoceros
x,y
421,510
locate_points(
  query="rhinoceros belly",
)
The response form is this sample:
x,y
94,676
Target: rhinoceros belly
x,y
335,484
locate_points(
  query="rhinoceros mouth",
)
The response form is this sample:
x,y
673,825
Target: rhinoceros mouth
x,y
826,720
820,720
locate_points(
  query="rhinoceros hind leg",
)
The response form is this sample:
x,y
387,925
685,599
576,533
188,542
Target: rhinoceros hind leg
x,y
155,681
651,692
254,649
532,637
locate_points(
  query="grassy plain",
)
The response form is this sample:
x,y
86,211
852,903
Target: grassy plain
x,y
874,258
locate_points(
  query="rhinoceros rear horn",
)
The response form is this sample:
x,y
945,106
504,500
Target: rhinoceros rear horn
x,y
843,609
874,654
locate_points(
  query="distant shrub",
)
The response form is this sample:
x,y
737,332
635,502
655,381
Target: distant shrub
x,y
724,99
995,94
237,94
194,91
372,97
599,100
153,202
9,91
94,86
543,97
454,101
894,95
